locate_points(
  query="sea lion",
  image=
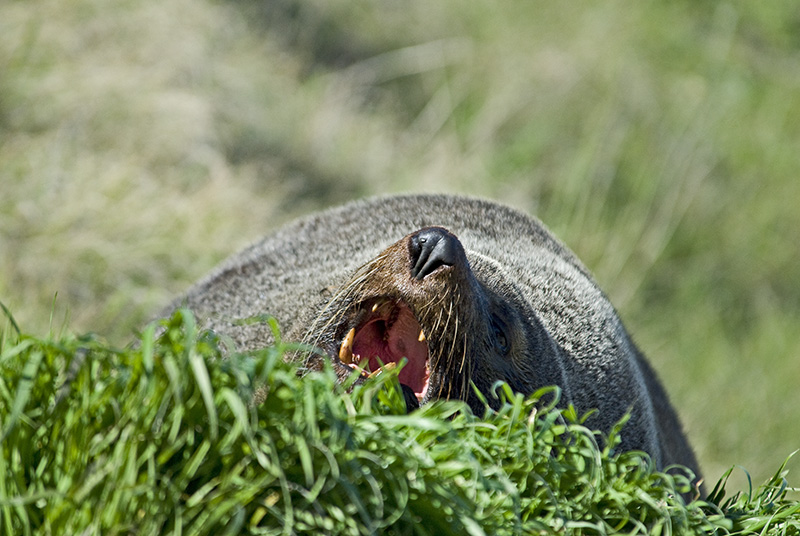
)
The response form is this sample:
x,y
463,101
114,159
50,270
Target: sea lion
x,y
468,291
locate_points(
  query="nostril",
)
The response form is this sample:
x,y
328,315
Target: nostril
x,y
431,248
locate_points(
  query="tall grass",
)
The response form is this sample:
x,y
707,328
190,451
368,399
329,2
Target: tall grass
x,y
166,438
141,142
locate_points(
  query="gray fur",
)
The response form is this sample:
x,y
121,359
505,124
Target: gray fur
x,y
293,273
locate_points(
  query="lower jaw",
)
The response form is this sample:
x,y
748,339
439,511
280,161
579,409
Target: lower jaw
x,y
421,395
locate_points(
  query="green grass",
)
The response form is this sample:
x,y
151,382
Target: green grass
x,y
141,142
165,438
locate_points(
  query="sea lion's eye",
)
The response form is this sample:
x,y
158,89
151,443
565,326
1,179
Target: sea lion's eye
x,y
499,334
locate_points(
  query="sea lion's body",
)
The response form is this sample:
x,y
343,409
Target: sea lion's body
x,y
468,291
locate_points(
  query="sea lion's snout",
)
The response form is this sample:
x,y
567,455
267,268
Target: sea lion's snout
x,y
431,248
420,302
413,302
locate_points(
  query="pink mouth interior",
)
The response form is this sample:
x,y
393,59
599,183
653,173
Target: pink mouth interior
x,y
390,341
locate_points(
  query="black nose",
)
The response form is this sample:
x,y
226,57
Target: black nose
x,y
431,248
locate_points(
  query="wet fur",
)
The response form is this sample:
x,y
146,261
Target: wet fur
x,y
309,272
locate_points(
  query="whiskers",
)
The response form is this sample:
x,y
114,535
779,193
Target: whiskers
x,y
450,345
438,309
333,314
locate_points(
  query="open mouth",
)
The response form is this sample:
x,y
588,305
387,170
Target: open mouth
x,y
386,331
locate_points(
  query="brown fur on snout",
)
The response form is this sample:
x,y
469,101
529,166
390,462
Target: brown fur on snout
x,y
459,317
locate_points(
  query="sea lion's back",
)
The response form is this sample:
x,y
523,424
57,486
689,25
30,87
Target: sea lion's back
x,y
292,271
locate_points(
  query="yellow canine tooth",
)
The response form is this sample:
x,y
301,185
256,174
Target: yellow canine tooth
x,y
374,307
346,349
421,337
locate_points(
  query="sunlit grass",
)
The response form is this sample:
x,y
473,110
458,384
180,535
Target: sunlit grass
x,y
166,438
142,142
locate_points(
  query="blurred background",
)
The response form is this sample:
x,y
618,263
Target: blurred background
x,y
143,141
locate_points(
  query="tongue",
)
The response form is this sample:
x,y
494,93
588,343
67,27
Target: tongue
x,y
401,340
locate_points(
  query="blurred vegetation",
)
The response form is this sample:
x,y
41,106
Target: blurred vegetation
x,y
164,439
142,142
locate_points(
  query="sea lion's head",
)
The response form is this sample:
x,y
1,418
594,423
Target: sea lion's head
x,y
455,323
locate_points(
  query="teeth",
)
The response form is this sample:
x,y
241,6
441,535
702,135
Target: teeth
x,y
346,350
421,337
358,366
361,371
374,307
387,366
